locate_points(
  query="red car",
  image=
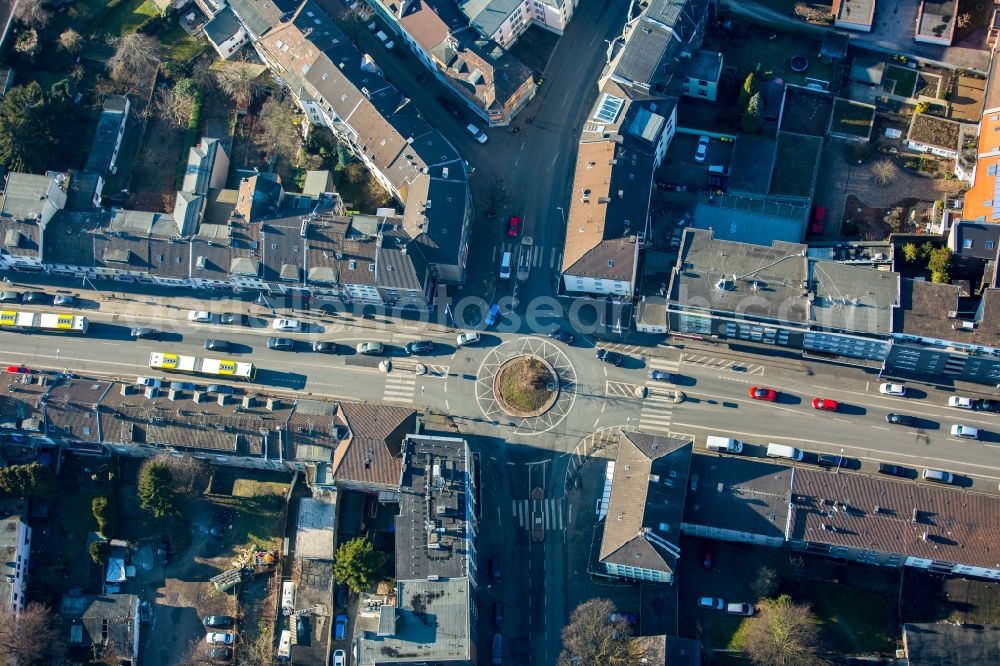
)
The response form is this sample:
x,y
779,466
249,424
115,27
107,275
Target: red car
x,y
818,219
825,404
514,227
762,393
18,370
709,555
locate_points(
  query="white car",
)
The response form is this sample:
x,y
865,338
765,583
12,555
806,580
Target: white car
x,y
290,325
339,658
218,638
740,609
478,134
960,402
200,316
384,38
148,382
715,603
703,142
892,389
968,432
467,338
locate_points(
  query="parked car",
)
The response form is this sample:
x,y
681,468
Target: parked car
x,y
65,300
371,348
163,552
384,38
739,609
830,460
608,356
341,627
219,654
144,333
937,475
493,315
232,319
627,616
478,134
325,346
10,297
763,393
467,338
825,404
498,614
967,432
892,470
960,402
450,107
708,556
559,334
35,297
514,226
218,621
418,347
148,382
715,603
892,389
339,658
496,575
899,419
200,317
702,152
987,405
216,345
219,638
281,344
342,595
18,370
661,376
818,220
287,325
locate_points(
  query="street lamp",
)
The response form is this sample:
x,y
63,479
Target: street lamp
x,y
86,280
563,213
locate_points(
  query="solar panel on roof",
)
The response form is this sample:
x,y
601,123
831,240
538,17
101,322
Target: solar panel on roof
x,y
608,110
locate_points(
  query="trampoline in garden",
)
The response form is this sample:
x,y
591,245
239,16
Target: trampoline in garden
x,y
799,63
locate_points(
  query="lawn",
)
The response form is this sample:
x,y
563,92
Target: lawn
x,y
905,80
747,46
794,165
257,521
854,620
126,17
180,46
852,118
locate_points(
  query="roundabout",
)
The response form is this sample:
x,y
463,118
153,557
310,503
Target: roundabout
x,y
527,384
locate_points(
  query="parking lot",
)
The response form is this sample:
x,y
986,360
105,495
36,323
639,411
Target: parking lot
x,y
680,168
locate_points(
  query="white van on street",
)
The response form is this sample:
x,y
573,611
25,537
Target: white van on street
x,y
723,444
505,266
783,451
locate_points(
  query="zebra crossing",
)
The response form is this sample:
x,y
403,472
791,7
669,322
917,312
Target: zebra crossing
x,y
538,255
409,365
722,364
539,514
658,406
399,387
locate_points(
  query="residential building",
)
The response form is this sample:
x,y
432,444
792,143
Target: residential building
x,y
934,135
946,643
737,499
974,241
940,332
103,157
490,81
27,206
854,14
642,528
994,29
102,625
700,72
326,76
15,553
207,167
978,202
607,219
435,562
503,21
225,33
778,296
936,21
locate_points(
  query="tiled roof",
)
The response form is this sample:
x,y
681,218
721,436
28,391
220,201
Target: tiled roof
x,y
647,501
909,519
946,643
991,103
372,452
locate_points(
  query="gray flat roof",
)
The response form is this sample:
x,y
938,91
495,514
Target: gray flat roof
x,y
753,218
315,534
738,494
853,297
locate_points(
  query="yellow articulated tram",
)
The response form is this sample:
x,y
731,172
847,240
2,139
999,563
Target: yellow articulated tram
x,y
206,367
42,322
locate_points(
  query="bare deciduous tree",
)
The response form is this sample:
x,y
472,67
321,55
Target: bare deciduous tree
x,y
964,20
188,474
175,103
134,55
239,83
71,40
593,638
884,171
783,633
278,130
31,637
32,13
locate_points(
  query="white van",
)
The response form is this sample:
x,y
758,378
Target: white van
x,y
505,266
284,645
288,596
723,444
782,451
478,134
